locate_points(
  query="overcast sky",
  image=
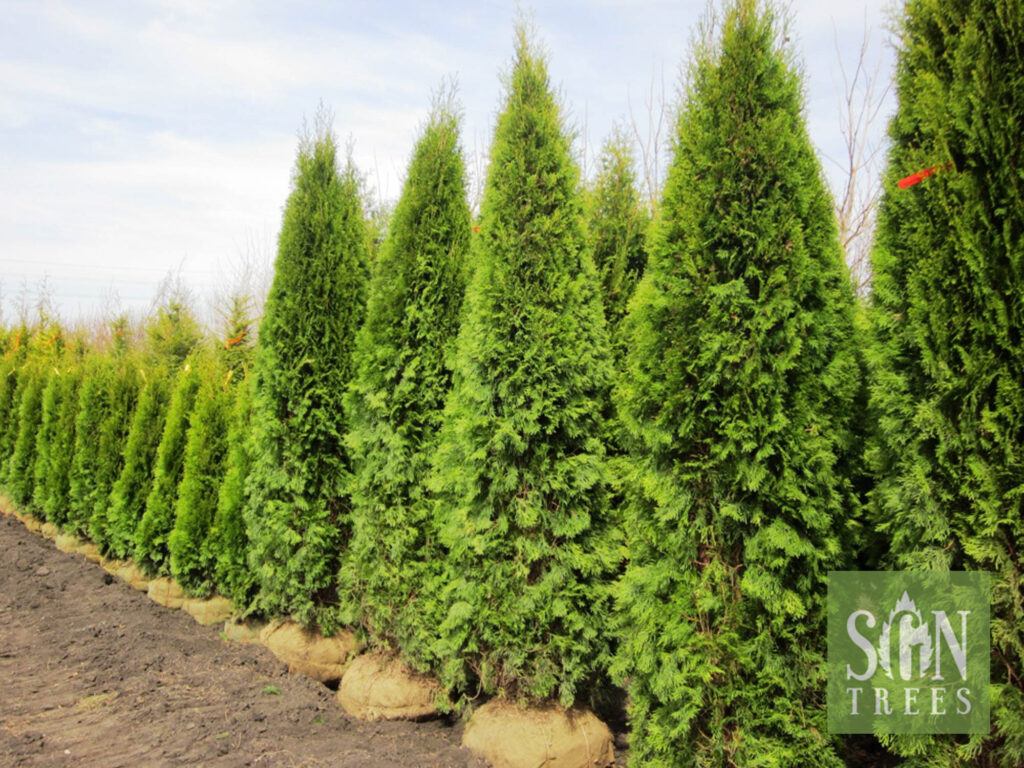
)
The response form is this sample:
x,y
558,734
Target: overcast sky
x,y
143,136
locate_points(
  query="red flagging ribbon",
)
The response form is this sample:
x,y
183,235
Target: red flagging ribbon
x,y
916,178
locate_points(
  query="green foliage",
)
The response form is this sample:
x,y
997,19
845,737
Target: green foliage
x,y
404,354
49,425
19,473
128,496
173,331
92,409
53,465
151,553
10,366
206,449
106,401
120,398
227,545
11,390
519,472
237,350
737,400
297,511
616,224
948,308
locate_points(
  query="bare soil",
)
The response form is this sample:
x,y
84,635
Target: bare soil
x,y
93,673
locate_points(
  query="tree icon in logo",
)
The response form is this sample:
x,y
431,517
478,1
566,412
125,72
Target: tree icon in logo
x,y
912,632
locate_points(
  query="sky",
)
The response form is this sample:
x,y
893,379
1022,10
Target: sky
x,y
141,138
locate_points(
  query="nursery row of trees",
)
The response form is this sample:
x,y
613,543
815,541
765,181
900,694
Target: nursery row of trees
x,y
499,452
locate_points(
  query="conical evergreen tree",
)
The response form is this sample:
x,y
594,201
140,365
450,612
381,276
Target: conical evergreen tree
x,y
49,428
151,552
616,224
128,496
737,399
228,542
20,472
173,331
194,544
206,452
405,353
10,398
105,405
520,475
92,408
297,511
948,309
170,336
56,470
121,399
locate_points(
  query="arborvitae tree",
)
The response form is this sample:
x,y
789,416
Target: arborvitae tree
x,y
121,398
297,511
519,472
40,355
20,470
224,551
53,475
405,356
227,544
237,350
737,398
128,496
173,331
169,336
105,405
10,366
616,223
89,416
151,534
49,428
206,449
948,310
11,391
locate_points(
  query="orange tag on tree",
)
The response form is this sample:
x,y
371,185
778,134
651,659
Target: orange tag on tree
x,y
916,178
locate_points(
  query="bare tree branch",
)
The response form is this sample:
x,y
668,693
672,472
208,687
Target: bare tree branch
x,y
860,106
649,137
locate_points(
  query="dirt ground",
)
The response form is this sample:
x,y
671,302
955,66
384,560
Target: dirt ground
x,y
93,673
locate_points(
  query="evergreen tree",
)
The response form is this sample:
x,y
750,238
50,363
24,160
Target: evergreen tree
x,y
11,392
238,348
617,222
168,337
20,474
10,366
227,544
206,448
55,496
49,426
948,310
89,417
519,472
40,355
128,496
297,512
404,354
172,332
151,534
737,399
106,402
120,398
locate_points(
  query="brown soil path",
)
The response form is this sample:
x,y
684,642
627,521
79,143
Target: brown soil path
x,y
93,673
